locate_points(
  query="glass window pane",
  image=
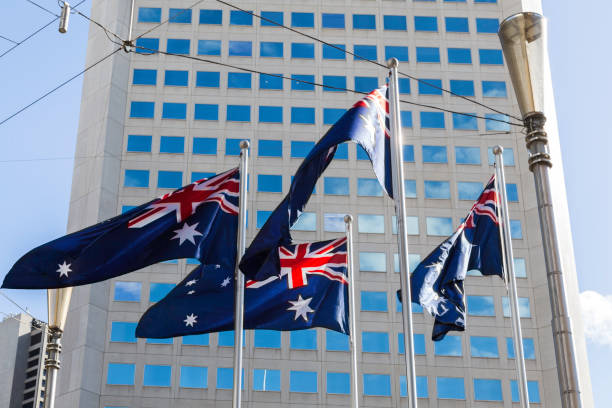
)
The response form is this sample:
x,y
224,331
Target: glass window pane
x,y
209,47
508,155
467,155
270,183
238,17
302,115
332,115
225,378
469,190
516,231
120,374
480,305
457,24
334,83
465,122
418,341
439,226
487,390
497,122
136,178
372,261
240,48
523,303
274,16
408,153
144,77
271,49
199,175
174,111
180,16
169,179
490,57
176,78
410,188
147,45
459,56
303,339
211,16
157,375
364,22
487,25
124,332
437,189
158,291
267,338
430,87
421,383
127,291
196,340
306,222
368,187
342,152
528,348
377,385
338,383
432,120
301,149
425,23
494,89
520,268
149,15
207,79
204,145
399,52
336,185
448,346
483,347
371,223
396,23
335,341
142,109
333,222
270,81
364,52
302,82
172,144
532,389
139,143
178,45
373,301
266,380
462,87
366,84
434,154
240,80
270,148
262,217
194,377
428,54
450,388
302,50
206,112
412,224
303,381
303,20
329,20
238,113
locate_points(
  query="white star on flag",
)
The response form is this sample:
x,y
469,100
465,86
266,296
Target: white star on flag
x,y
186,233
191,282
191,292
225,282
64,269
190,320
301,307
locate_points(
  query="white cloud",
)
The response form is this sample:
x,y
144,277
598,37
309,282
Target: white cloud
x,y
597,317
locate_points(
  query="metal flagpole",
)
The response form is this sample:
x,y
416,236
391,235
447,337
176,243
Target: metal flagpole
x,y
500,181
239,277
348,221
397,164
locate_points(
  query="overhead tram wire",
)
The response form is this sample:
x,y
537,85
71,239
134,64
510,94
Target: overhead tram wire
x,y
8,39
17,304
365,59
43,8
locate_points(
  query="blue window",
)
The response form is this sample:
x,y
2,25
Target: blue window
x,y
120,374
172,144
523,304
457,25
448,346
408,153
395,23
302,50
226,339
178,45
206,112
372,261
497,122
160,341
437,189
194,377
301,149
270,81
399,52
171,110
239,17
225,377
157,291
439,226
238,113
142,109
336,185
240,48
145,77
430,87
124,332
373,301
490,57
511,192
147,45
149,15
367,187
418,342
483,347
267,339
196,340
169,179
494,89
465,122
480,305
342,152
332,82
467,155
421,383
266,379
461,87
303,381
333,52
176,78
306,222
406,119
302,82
335,341
432,120
508,155
274,16
270,183
262,217
364,52
364,22
207,79
199,175
532,390
271,49
375,342
329,20
204,145
412,225
270,148
528,348
211,17
271,114
428,54
331,115
371,223
136,178
302,115
180,16
404,85
157,375
450,388
459,56
303,20
468,190
410,188
487,25
520,268
423,23
240,80
139,143
303,339
338,383
127,291
209,47
487,390
366,84
377,385
434,154
485,1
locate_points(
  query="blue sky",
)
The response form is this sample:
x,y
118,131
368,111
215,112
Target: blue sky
x,y
36,147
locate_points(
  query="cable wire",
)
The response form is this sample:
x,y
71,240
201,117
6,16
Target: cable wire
x,y
16,304
106,30
42,8
8,39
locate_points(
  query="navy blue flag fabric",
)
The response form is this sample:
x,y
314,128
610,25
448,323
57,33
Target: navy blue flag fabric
x,y
437,282
309,289
366,123
197,221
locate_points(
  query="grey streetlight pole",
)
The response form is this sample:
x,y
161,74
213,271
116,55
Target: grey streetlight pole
x,y
523,40
58,301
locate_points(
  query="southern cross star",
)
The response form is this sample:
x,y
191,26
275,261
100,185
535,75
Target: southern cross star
x,y
190,320
301,308
225,282
64,269
186,233
191,292
191,282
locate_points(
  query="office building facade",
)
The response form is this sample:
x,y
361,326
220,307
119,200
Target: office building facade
x,y
150,123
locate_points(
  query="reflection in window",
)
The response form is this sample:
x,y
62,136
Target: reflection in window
x,y
428,54
336,185
437,189
302,50
302,115
149,14
412,224
367,187
532,389
240,48
206,112
487,25
528,348
266,379
157,375
487,390
373,301
199,175
497,122
364,52
147,45
169,179
421,383
399,52
271,49
395,23
410,188
209,47
331,82
508,156
158,291
434,154
439,226
124,332
480,305
371,223
270,148
418,342
457,24
178,46
267,338
329,20
172,144
372,261
365,84
207,79
462,87
432,120
144,77
120,374
450,388
335,53
139,143
425,23
238,17
448,346
262,217
142,109
331,115
511,192
516,232
270,81
204,145
273,16
174,110
413,261
467,155
211,17
377,385
467,190
136,178
303,339
335,341
490,57
364,22
306,222
180,16
523,303
303,381
338,383
196,340
459,56
300,149
225,378
270,183
430,86
302,82
483,347
333,222
238,113
194,377
239,80
127,291
520,268
465,122
494,89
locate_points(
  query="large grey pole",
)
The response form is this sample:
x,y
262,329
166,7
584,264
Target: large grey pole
x,y
52,364
397,164
348,221
239,277
517,335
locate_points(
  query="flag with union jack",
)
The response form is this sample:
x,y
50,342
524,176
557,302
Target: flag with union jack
x,y
437,282
367,124
309,289
199,220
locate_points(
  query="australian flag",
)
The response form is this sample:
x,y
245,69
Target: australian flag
x,y
309,289
197,221
366,123
437,282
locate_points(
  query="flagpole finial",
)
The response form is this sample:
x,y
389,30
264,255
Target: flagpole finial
x,y
244,144
498,149
348,218
393,63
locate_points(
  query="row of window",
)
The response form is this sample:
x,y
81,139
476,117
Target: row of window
x,y
307,115
307,382
300,50
332,83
